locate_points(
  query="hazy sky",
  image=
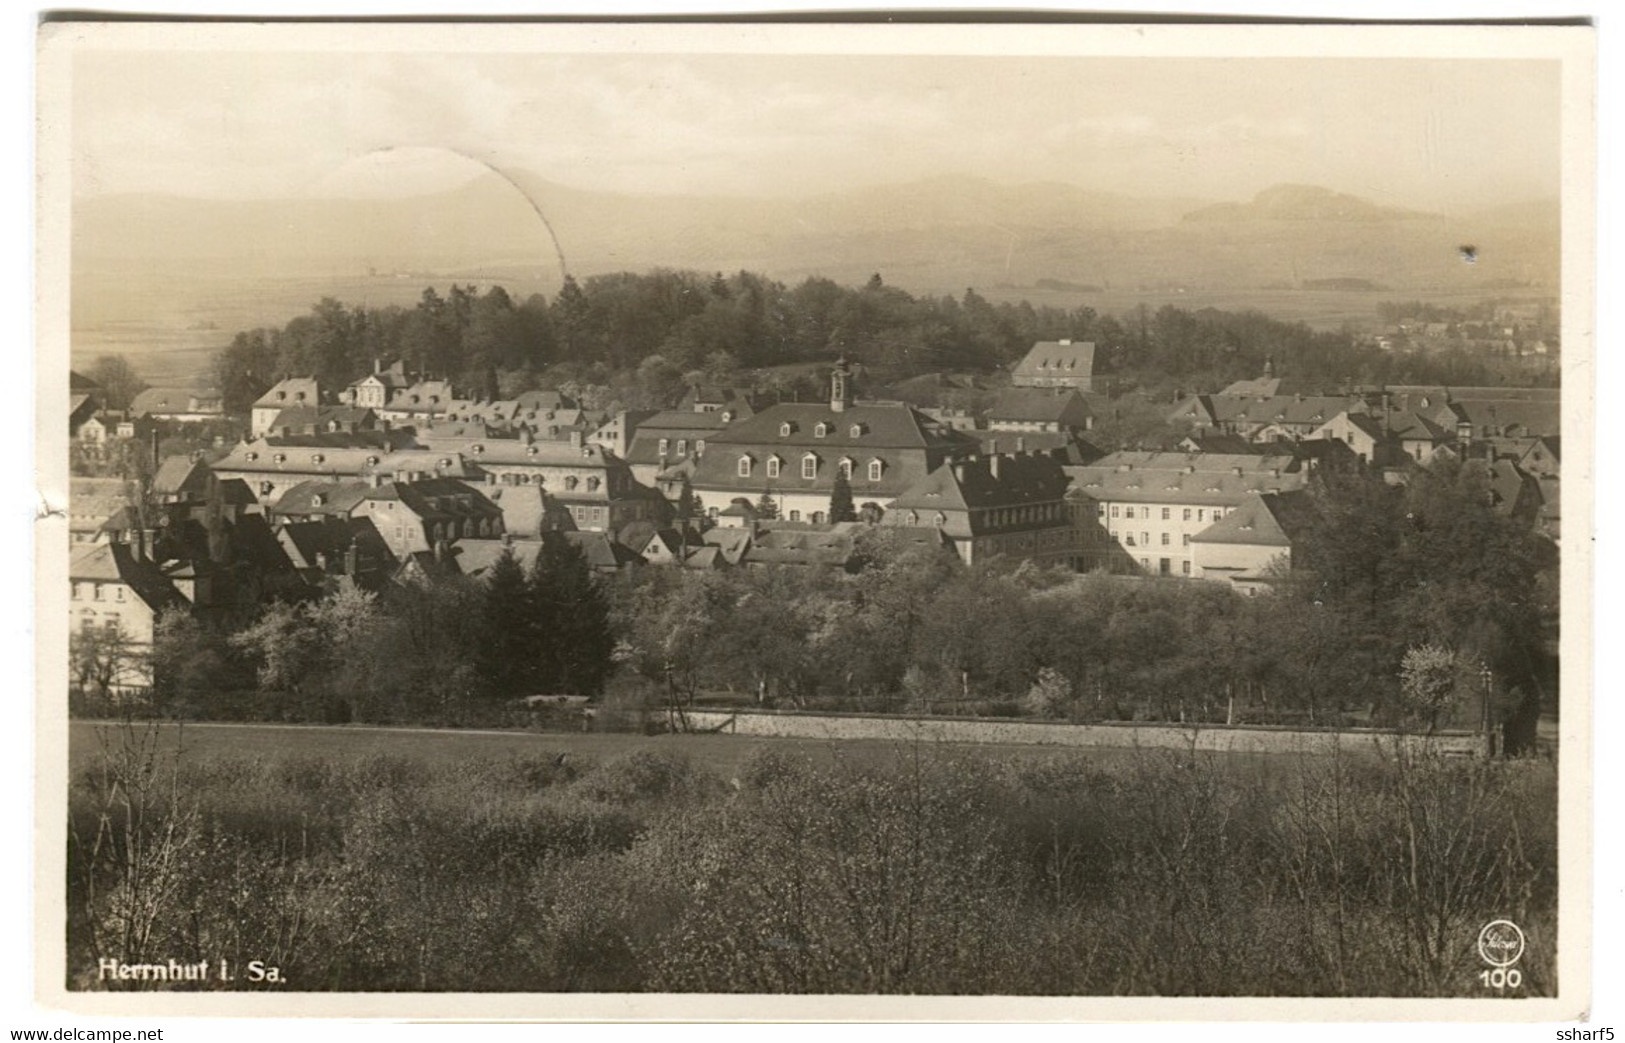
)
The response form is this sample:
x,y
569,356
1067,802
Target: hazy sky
x,y
1427,133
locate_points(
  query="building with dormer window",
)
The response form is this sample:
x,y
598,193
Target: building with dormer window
x,y
888,446
1057,363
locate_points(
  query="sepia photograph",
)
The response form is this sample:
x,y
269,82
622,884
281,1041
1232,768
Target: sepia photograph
x,y
887,519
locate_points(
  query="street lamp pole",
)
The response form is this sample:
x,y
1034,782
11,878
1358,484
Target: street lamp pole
x,y
1487,676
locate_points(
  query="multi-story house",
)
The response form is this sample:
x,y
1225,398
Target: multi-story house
x,y
178,404
1030,410
1271,419
270,470
1057,363
793,452
1151,505
1009,506
412,517
290,393
118,590
595,486
1251,546
673,437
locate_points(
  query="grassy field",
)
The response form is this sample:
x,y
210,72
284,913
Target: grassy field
x,y
721,755
359,859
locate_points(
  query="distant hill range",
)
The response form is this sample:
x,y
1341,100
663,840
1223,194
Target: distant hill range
x,y
938,235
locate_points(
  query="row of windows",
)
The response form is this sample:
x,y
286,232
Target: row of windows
x,y
1046,512
809,467
1145,539
820,430
682,446
1167,513
1165,567
97,591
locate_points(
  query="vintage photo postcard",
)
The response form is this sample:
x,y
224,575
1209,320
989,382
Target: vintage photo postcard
x,y
763,521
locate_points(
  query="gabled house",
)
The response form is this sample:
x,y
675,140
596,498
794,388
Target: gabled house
x,y
1250,547
117,589
995,506
1033,409
1057,363
795,450
1147,507
289,393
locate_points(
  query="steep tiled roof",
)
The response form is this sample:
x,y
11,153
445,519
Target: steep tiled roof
x,y
1268,519
117,563
175,400
972,484
178,475
1050,359
292,391
1062,406
879,425
1184,478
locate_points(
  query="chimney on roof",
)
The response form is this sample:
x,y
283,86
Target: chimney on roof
x,y
993,466
1066,341
959,471
993,445
1021,444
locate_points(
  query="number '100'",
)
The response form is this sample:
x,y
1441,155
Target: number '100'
x,y
1501,978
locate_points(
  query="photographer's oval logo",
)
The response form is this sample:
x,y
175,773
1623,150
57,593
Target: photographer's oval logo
x,y
1500,943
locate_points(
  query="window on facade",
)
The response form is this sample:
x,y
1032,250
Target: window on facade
x,y
875,469
774,465
118,593
1185,567
857,430
1187,514
809,466
682,447
98,592
1185,540
1114,510
818,517
744,467
1166,513
1165,539
785,429
821,430
1199,513
571,482
846,469
699,445
593,484
795,515
664,446
1145,538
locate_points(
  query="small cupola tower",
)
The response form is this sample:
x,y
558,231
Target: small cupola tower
x,y
840,386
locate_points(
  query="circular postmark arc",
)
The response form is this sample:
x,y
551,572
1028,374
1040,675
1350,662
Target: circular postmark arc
x,y
1501,943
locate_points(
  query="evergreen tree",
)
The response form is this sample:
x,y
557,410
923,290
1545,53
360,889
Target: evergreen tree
x,y
573,637
767,508
506,659
840,501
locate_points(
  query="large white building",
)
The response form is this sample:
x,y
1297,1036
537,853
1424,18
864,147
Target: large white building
x,y
1151,505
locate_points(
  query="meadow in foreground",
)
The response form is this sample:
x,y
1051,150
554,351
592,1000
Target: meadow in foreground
x,y
916,870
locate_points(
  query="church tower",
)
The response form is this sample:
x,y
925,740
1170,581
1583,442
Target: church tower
x,y
840,386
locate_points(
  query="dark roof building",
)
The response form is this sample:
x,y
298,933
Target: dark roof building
x,y
1057,363
995,506
795,450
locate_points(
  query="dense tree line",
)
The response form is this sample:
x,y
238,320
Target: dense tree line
x,y
440,649
637,339
1384,570
1387,577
